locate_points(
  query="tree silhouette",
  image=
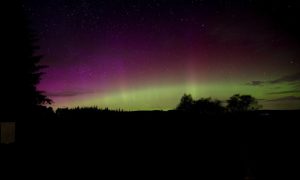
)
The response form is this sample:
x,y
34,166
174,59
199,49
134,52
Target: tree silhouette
x,y
207,105
242,103
203,105
186,103
22,63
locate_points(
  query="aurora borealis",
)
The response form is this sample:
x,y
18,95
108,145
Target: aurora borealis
x,y
145,54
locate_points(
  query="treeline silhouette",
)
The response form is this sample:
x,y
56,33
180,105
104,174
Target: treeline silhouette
x,y
236,103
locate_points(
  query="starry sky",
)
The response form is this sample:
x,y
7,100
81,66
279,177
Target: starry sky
x,y
145,54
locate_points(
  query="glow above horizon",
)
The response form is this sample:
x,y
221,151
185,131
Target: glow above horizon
x,y
131,57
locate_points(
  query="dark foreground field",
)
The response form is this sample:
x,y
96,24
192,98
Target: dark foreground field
x,y
260,145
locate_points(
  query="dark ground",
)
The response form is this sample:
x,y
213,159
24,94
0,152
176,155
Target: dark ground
x,y
260,145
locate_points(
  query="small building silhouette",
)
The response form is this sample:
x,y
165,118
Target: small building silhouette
x,y
7,132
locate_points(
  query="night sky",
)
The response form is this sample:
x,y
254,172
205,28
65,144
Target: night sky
x,y
145,54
